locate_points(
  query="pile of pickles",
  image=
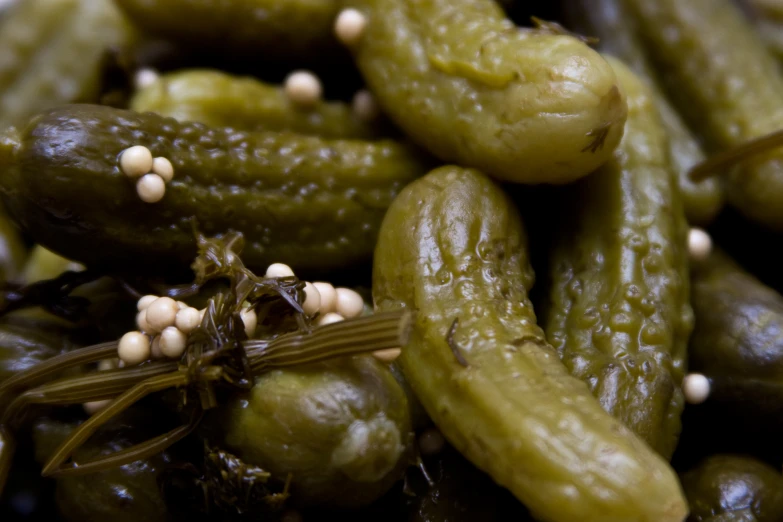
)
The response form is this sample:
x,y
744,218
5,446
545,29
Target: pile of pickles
x,y
422,260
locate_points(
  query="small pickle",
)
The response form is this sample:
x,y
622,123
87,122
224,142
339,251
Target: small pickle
x,y
726,85
452,247
219,99
734,488
313,204
129,493
607,20
28,337
619,314
738,339
13,252
53,51
283,29
341,429
522,105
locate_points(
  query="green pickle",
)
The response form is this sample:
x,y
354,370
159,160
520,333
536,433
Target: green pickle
x,y
452,247
125,494
53,51
608,21
311,203
738,339
342,429
283,29
522,105
734,488
619,313
726,85
243,103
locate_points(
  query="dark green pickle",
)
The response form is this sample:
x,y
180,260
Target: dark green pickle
x,y
738,339
243,103
53,52
281,29
608,21
128,493
618,311
313,204
734,488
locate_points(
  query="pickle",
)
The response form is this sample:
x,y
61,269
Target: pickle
x,y
243,103
452,247
341,429
313,204
283,29
726,85
52,52
124,494
734,488
522,105
607,20
619,314
738,339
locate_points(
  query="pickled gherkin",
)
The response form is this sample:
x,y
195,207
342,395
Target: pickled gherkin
x,y
452,247
726,85
608,21
281,29
219,99
341,429
522,105
734,488
619,313
52,52
311,203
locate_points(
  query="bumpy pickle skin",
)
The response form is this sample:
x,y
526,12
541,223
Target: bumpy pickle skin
x,y
452,248
738,339
726,85
301,200
52,52
342,429
219,99
725,488
618,312
281,29
608,21
461,80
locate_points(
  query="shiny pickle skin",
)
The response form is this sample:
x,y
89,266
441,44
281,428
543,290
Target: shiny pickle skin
x,y
52,52
462,81
299,200
619,313
284,29
341,428
726,85
608,21
219,99
452,247
126,494
725,488
738,339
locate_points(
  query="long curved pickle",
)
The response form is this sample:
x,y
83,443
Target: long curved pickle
x,y
311,203
738,339
453,249
243,103
284,29
608,21
522,105
726,85
341,428
52,52
619,311
734,488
